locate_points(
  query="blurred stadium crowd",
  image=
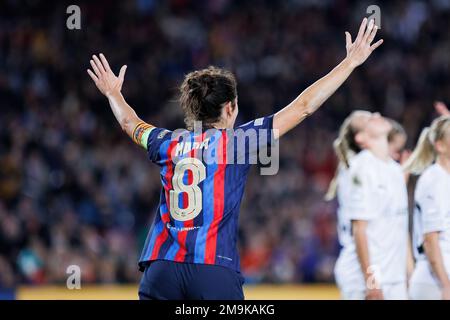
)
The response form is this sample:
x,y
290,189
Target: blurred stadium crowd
x,y
75,190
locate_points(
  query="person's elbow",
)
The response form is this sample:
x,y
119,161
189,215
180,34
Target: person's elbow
x,y
128,123
290,116
303,104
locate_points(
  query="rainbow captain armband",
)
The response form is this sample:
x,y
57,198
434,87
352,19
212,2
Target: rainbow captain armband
x,y
141,133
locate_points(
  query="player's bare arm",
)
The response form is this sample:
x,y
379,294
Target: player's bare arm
x,y
316,94
441,108
433,252
359,227
110,86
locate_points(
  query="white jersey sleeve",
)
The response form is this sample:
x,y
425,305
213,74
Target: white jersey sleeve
x,y
426,198
360,189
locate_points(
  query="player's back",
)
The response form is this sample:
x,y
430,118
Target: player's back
x,y
203,177
432,209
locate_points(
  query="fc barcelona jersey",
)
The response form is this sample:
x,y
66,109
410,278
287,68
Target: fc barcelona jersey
x,y
203,175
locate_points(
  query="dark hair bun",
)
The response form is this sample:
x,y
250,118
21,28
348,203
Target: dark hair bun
x,y
204,92
201,86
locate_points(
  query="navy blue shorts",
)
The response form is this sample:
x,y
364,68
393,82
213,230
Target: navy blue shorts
x,y
170,280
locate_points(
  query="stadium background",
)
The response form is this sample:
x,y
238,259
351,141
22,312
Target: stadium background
x,y
75,190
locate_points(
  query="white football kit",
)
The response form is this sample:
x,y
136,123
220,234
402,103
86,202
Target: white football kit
x,y
431,214
373,190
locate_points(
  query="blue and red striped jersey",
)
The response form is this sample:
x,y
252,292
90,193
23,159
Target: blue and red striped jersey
x,y
203,177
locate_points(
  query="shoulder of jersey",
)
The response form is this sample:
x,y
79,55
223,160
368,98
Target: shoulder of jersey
x,y
430,175
360,163
256,122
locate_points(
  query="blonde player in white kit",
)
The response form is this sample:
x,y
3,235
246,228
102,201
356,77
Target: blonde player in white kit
x,y
431,158
373,212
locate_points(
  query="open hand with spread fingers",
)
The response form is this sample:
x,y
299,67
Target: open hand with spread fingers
x,y
105,80
359,50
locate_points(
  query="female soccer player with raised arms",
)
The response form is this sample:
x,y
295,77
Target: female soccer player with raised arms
x,y
373,211
190,252
431,159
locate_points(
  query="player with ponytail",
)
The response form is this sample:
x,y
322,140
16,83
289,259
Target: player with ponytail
x,y
191,249
431,160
